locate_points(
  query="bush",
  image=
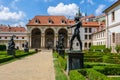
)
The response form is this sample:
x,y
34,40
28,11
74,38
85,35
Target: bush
x,y
91,65
2,47
117,48
94,75
108,70
4,57
75,75
107,50
63,62
98,48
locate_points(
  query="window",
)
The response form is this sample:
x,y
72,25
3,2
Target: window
x,y
77,44
22,37
5,37
85,45
50,21
85,30
85,36
63,21
113,16
113,37
90,37
16,37
90,30
89,45
37,21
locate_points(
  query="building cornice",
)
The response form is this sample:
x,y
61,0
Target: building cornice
x,y
114,25
112,6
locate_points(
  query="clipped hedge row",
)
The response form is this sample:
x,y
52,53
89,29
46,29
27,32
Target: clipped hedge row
x,y
94,75
97,48
91,65
108,70
93,59
2,47
4,57
75,75
63,62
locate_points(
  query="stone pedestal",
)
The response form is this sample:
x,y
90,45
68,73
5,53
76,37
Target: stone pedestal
x,y
61,52
26,50
75,60
11,52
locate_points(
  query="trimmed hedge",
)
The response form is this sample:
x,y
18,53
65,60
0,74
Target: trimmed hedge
x,y
97,48
4,57
94,75
108,70
63,62
75,75
2,47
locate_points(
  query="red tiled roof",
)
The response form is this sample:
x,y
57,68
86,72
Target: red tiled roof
x,y
44,20
4,28
88,17
92,24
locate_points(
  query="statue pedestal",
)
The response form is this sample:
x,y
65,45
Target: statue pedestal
x,y
75,60
61,52
26,50
11,52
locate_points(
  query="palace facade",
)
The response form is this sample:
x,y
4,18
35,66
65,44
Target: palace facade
x,y
7,31
44,31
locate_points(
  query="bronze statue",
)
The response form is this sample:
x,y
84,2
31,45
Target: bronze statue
x,y
76,33
61,42
26,49
11,44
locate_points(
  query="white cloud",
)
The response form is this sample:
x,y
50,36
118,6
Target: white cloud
x,y
7,15
100,8
62,9
82,1
91,2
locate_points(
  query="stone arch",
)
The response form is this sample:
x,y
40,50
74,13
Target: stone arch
x,y
49,38
36,38
64,32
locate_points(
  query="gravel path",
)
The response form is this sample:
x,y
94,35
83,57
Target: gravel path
x,y
36,67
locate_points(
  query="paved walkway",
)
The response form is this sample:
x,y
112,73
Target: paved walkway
x,y
36,67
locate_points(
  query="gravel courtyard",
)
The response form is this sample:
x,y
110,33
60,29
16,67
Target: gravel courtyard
x,y
36,67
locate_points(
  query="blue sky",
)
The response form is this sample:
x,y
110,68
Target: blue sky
x,y
18,12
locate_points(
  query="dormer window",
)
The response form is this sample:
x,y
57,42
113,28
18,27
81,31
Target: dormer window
x,y
37,21
63,21
50,21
